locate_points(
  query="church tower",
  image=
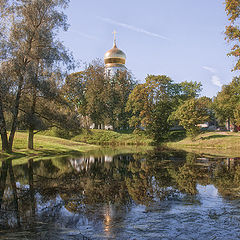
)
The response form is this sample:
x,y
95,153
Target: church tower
x,y
114,60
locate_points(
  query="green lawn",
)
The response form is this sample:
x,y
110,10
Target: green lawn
x,y
212,143
46,146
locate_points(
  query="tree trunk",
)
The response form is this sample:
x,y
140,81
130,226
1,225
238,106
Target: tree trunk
x,y
31,124
15,113
235,129
113,125
228,124
30,138
3,129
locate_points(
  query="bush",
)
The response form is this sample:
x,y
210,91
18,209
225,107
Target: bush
x,y
58,132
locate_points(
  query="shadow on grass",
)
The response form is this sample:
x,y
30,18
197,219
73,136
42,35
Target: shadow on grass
x,y
39,154
46,153
216,136
213,153
176,136
13,155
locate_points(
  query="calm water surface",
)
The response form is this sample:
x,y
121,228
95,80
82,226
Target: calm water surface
x,y
160,194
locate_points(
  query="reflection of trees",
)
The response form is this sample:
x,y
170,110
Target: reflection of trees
x,y
14,190
186,179
3,180
100,182
11,195
14,199
150,179
139,183
226,178
191,173
146,179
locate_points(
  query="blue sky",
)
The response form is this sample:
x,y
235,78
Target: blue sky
x,y
181,39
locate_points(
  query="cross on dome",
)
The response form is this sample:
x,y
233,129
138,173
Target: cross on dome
x,y
115,41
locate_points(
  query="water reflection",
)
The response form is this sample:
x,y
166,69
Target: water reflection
x,y
119,196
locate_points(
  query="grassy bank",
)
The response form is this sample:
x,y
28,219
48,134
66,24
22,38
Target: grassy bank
x,y
211,143
46,146
104,137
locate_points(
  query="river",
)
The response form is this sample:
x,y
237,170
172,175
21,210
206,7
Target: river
x,y
157,194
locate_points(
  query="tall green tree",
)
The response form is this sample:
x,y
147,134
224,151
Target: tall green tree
x,y
191,113
98,97
96,85
4,79
189,90
74,91
118,90
145,97
152,103
232,8
31,46
237,114
46,55
226,102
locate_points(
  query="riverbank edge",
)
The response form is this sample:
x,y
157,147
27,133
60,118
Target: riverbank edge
x,y
46,146
218,144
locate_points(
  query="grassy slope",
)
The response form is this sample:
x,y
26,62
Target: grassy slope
x,y
105,137
46,146
211,143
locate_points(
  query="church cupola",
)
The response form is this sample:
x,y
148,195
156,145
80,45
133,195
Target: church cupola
x,y
115,58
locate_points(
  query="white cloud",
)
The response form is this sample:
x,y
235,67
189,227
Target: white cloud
x,y
216,81
133,28
210,69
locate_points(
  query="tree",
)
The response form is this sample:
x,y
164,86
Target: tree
x,y
161,115
118,90
4,80
237,114
189,90
226,102
191,113
145,97
152,102
31,48
86,92
232,32
74,90
98,97
159,128
96,92
45,108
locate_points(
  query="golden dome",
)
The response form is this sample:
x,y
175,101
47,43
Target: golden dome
x,y
114,56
